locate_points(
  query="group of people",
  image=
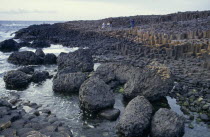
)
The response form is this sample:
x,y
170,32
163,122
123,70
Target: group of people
x,y
109,24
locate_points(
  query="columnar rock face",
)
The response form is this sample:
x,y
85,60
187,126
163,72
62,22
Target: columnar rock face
x,y
167,123
78,61
16,80
95,95
135,121
24,58
69,83
9,45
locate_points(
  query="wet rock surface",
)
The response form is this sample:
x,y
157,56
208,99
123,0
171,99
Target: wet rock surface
x,y
18,122
78,61
69,83
16,80
167,123
21,78
24,58
136,119
95,95
9,45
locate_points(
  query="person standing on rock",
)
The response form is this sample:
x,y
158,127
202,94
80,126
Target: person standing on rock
x,y
132,23
103,26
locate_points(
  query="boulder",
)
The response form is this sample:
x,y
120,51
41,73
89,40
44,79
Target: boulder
x,y
16,80
95,95
28,70
9,45
80,61
69,83
40,53
24,44
152,83
110,114
40,44
50,59
39,76
135,121
167,123
24,58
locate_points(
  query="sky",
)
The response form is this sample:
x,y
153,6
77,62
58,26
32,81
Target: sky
x,y
67,10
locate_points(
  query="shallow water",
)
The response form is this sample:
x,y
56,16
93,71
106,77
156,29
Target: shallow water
x,y
67,106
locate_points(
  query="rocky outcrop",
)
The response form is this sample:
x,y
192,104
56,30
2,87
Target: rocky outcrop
x,y
16,80
9,45
40,76
69,82
50,59
95,95
79,61
135,121
16,121
40,53
167,123
152,81
28,70
40,44
24,58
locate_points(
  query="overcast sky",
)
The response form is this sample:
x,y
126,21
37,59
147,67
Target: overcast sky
x,y
64,10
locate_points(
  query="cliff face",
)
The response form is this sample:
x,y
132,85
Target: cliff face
x,y
178,35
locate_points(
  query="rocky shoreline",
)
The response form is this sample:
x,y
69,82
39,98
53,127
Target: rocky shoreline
x,y
164,55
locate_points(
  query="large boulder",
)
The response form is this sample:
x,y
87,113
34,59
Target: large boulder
x,y
95,95
24,58
167,123
40,53
9,45
135,121
40,76
152,83
79,61
50,59
40,44
69,83
27,69
16,80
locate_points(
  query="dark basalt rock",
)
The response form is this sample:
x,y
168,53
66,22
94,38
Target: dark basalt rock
x,y
40,44
40,53
9,45
135,121
110,114
167,123
24,58
95,95
69,83
153,83
24,44
80,60
28,70
39,76
50,59
16,80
